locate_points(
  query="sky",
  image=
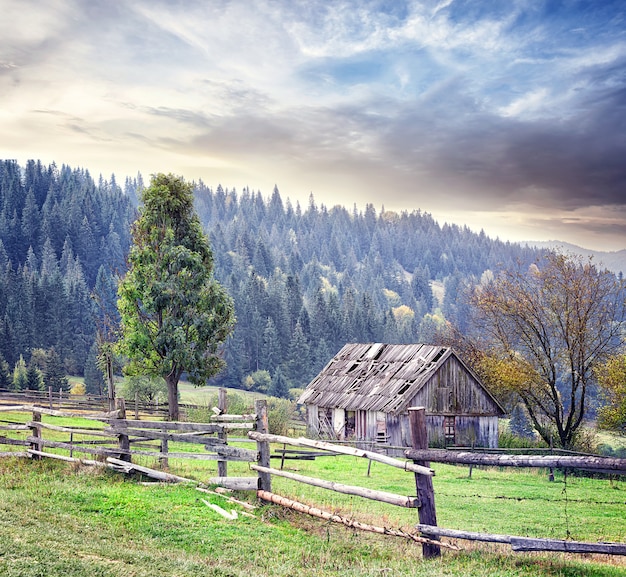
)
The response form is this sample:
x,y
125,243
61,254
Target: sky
x,y
505,115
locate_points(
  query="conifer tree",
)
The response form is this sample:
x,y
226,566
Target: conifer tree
x,y
174,314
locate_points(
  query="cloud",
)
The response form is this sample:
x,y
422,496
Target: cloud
x,y
496,110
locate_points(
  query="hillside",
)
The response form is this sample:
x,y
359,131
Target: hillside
x,y
305,280
614,260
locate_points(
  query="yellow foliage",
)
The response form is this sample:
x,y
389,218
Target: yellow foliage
x,y
612,378
78,389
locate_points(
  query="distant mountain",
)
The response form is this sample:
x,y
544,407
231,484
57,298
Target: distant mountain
x,y
614,261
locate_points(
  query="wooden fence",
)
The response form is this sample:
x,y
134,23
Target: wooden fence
x,y
421,456
116,441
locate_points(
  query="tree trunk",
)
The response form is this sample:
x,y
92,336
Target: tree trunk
x,y
172,397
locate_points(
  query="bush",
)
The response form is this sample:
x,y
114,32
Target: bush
x,y
279,414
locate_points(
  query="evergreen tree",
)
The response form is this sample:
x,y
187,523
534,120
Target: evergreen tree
x,y
34,378
20,377
6,380
174,314
94,378
54,374
280,385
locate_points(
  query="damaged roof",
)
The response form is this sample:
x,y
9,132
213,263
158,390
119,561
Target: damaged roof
x,y
376,377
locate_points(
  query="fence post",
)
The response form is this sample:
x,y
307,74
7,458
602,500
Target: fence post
x,y
35,432
163,460
123,440
50,397
222,405
263,447
136,405
423,483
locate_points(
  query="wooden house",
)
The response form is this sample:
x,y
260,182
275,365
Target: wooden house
x,y
365,391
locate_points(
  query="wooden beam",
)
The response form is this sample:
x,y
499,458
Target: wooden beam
x,y
153,473
342,450
608,464
527,543
235,483
423,483
314,511
381,496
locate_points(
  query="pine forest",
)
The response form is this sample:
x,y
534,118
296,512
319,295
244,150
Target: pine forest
x,y
305,279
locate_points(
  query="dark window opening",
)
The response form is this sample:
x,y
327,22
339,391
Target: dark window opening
x,y
448,431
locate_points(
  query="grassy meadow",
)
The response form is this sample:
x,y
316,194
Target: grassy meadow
x,y
71,520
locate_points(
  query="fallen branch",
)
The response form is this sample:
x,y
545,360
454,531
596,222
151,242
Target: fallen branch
x,y
315,512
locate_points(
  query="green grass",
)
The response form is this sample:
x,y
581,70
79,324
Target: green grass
x,y
58,520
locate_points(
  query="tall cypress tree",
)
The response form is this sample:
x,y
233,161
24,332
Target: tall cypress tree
x,y
174,314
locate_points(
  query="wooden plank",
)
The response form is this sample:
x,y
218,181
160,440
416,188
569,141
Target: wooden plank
x,y
67,459
78,448
209,428
153,473
91,432
8,441
235,483
25,427
616,466
263,445
152,434
466,535
371,455
17,454
382,496
528,544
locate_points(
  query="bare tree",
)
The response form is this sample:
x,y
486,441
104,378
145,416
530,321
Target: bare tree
x,y
546,329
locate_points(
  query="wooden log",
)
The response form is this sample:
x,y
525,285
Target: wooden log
x,y
223,453
609,464
382,496
55,413
314,511
152,473
123,439
35,438
67,459
69,446
14,454
175,437
75,431
120,424
25,427
9,441
235,483
226,418
528,544
342,450
263,446
222,466
466,535
424,484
